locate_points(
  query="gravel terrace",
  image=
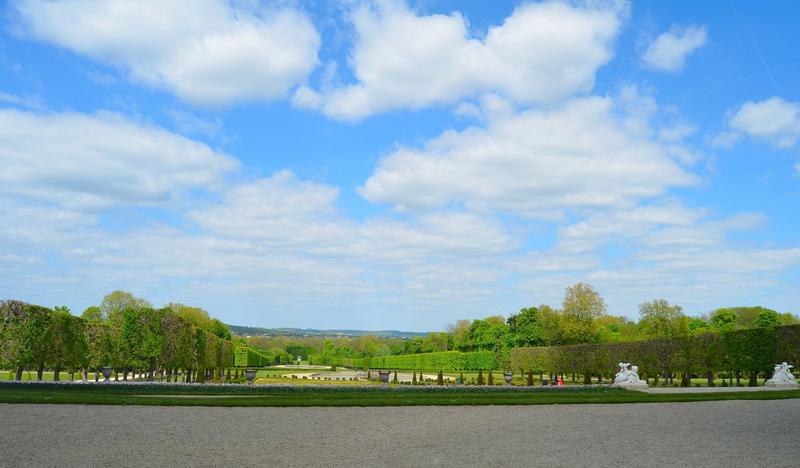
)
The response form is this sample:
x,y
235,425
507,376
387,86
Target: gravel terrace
x,y
724,433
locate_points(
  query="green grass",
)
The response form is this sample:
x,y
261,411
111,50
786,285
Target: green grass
x,y
349,396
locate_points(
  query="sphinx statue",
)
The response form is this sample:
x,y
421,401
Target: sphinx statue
x,y
628,377
782,377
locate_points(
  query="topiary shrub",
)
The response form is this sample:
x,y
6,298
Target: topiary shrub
x,y
480,377
394,380
414,378
491,378
530,379
440,379
461,379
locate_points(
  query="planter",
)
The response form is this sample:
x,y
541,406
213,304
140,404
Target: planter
x,y
106,372
508,376
384,376
250,375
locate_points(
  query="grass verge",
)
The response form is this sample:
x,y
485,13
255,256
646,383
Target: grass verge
x,y
158,395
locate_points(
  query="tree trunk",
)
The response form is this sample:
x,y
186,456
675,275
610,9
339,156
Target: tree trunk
x,y
587,378
39,372
738,379
599,378
685,381
96,376
710,378
151,369
18,376
125,373
753,379
57,374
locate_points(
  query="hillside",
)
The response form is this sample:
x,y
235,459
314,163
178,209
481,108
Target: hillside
x,y
307,332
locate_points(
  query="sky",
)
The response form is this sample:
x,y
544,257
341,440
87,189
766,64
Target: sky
x,y
389,164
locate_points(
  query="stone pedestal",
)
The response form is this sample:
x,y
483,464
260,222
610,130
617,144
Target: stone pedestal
x,y
631,386
786,385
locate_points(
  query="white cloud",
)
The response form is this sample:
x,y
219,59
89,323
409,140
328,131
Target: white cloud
x,y
208,52
102,160
534,163
670,49
543,52
774,121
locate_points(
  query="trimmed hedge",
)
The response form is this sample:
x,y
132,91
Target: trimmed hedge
x,y
444,360
754,351
248,357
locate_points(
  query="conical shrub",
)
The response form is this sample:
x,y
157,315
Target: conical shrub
x,y
480,378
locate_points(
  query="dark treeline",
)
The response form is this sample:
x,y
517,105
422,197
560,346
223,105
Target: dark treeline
x,y
124,332
737,354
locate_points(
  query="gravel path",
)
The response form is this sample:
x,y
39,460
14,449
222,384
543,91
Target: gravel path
x,y
726,433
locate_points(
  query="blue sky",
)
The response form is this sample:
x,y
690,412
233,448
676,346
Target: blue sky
x,y
399,165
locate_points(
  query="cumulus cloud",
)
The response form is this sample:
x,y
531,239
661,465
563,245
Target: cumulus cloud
x,y
102,160
668,52
774,121
208,52
533,163
543,52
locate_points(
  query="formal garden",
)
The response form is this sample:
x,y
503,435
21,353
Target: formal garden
x,y
134,353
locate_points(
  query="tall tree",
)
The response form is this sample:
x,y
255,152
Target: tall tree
x,y
659,319
117,301
524,327
581,306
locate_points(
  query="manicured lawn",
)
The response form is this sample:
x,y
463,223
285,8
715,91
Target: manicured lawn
x,y
116,394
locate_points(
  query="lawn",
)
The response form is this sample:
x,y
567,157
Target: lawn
x,y
209,395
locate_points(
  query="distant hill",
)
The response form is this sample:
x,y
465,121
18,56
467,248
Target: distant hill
x,y
307,332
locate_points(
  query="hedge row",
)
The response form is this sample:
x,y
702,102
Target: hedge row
x,y
35,337
754,351
248,357
445,360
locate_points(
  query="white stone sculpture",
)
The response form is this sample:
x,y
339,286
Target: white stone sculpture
x,y
782,377
628,378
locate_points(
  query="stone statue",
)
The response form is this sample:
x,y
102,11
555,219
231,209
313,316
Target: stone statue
x,y
622,375
628,378
782,377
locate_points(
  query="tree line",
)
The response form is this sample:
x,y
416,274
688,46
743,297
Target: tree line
x,y
743,353
124,332
583,318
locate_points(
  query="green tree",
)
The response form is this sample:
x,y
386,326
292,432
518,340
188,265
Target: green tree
x,y
524,327
117,301
582,305
659,319
435,342
490,333
459,333
92,314
724,319
767,318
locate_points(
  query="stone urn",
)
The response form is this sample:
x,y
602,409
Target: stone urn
x,y
508,376
384,376
250,375
106,372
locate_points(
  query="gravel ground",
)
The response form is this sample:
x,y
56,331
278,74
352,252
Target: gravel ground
x,y
726,433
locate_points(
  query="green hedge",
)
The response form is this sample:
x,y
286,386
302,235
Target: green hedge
x,y
248,357
753,351
445,360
